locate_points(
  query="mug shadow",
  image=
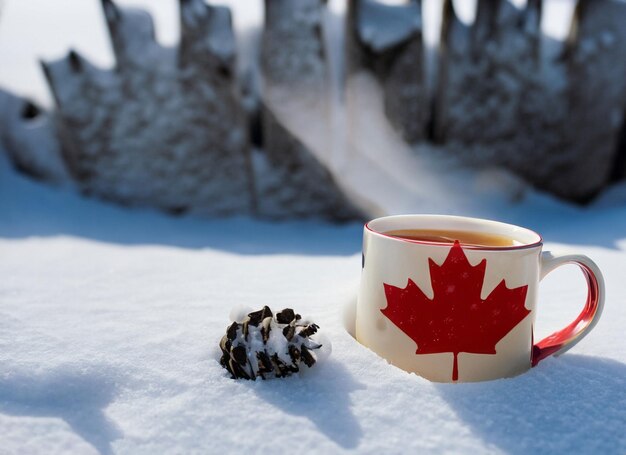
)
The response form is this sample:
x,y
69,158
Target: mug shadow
x,y
76,397
323,397
571,404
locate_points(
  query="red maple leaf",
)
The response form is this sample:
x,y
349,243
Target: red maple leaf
x,y
456,319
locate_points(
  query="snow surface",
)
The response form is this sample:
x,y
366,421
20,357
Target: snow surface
x,y
110,319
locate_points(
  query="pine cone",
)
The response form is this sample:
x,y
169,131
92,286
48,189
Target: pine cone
x,y
268,346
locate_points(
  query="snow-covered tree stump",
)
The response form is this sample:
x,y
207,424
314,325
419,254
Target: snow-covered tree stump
x,y
476,60
27,134
485,107
553,122
595,95
291,180
168,128
292,51
164,128
386,42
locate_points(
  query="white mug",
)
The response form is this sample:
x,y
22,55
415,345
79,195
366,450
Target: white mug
x,y
452,312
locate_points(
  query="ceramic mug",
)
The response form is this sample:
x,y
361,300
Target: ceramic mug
x,y
452,312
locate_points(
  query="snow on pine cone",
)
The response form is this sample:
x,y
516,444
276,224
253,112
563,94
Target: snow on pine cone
x,y
269,346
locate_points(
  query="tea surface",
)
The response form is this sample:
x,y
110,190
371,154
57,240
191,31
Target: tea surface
x,y
470,238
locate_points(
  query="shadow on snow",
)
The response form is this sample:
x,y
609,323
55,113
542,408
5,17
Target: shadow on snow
x,y
570,404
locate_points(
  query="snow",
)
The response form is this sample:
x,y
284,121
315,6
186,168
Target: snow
x,y
110,320
382,26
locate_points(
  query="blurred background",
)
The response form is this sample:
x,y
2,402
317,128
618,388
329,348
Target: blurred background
x,y
338,110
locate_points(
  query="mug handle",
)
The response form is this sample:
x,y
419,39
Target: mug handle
x,y
563,340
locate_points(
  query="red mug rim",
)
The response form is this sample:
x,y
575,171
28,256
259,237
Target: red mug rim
x,y
522,246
